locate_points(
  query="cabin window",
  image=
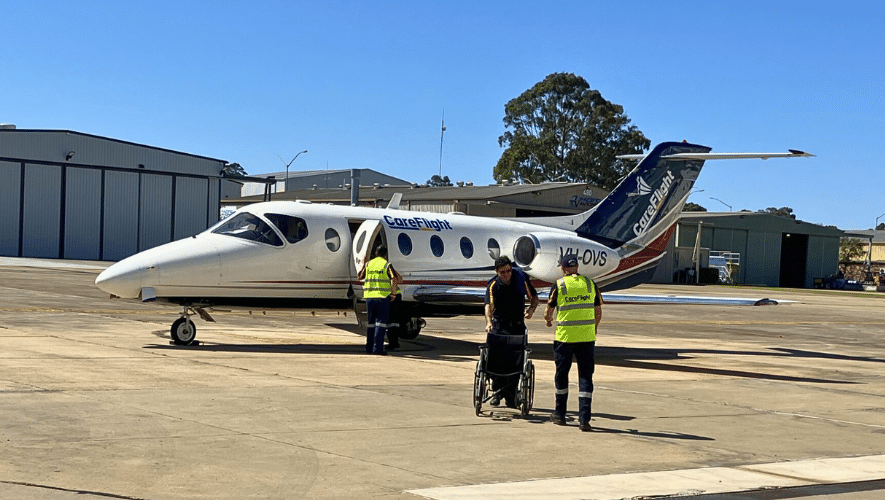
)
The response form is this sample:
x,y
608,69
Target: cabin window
x,y
405,243
494,249
525,250
436,245
466,247
249,227
333,240
294,229
359,243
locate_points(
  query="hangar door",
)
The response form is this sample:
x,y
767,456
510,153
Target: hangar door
x,y
794,255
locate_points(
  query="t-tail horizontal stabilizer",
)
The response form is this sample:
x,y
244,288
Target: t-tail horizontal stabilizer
x,y
654,190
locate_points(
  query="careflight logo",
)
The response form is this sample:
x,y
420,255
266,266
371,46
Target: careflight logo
x,y
416,223
642,187
654,203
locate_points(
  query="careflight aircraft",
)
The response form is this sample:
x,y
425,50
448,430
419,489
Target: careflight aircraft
x,y
297,254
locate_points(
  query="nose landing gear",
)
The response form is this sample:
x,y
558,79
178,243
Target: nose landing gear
x,y
183,331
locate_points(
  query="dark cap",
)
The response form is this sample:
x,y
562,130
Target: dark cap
x,y
568,260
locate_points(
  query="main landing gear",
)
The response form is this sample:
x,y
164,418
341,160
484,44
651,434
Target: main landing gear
x,y
183,331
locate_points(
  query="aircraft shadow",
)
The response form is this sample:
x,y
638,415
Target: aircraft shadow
x,y
430,347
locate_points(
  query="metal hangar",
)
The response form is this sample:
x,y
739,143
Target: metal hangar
x,y
70,195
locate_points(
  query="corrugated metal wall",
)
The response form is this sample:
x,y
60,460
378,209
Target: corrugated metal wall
x,y
763,259
190,206
82,213
10,207
121,230
760,250
41,222
110,200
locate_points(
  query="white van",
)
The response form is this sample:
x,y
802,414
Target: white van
x,y
719,262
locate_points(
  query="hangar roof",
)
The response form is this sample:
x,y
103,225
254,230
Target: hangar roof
x,y
412,193
91,136
758,221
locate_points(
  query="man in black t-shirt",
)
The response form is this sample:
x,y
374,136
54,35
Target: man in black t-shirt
x,y
505,316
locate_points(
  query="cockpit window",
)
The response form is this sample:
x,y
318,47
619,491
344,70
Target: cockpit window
x,y
293,228
249,227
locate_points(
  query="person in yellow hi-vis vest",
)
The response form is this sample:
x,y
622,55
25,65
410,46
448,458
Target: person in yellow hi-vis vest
x,y
379,289
578,307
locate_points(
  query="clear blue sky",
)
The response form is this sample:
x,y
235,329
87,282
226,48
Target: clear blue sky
x,y
365,84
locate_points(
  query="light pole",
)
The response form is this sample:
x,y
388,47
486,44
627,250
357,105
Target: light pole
x,y
720,201
286,185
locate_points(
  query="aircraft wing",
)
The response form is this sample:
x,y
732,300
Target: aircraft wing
x,y
793,153
460,294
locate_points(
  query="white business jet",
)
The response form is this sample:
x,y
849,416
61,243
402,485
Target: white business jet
x,y
287,254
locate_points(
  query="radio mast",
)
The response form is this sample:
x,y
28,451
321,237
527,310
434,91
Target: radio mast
x,y
441,134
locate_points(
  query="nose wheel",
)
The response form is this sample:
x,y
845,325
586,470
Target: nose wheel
x,y
184,331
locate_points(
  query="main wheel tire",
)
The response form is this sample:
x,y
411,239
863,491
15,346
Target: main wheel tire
x,y
477,389
480,384
527,382
412,328
183,331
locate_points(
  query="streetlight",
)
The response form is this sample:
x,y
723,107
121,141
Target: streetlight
x,y
286,185
720,201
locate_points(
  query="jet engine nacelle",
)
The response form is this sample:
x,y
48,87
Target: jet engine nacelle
x,y
538,254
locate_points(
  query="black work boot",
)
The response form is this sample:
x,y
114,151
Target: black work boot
x,y
584,414
558,415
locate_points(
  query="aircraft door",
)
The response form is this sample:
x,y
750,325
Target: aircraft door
x,y
365,240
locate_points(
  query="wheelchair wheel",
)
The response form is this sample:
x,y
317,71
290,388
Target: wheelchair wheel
x,y
526,389
480,385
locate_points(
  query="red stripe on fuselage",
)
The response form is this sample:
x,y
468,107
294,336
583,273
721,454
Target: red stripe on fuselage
x,y
653,250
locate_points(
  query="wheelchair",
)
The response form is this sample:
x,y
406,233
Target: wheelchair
x,y
511,355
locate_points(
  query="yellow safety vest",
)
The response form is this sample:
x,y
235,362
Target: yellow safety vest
x,y
575,312
377,283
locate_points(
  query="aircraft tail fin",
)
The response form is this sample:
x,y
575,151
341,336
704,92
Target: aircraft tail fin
x,y
653,192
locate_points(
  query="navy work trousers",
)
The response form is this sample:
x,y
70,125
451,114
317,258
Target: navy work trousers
x,y
583,353
378,316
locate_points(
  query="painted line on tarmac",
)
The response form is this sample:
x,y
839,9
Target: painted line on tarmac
x,y
708,480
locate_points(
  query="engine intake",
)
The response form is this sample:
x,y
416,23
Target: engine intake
x,y
538,254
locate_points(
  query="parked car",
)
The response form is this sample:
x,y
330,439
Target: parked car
x,y
837,282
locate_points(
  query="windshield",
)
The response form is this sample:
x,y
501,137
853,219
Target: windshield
x,y
293,228
249,227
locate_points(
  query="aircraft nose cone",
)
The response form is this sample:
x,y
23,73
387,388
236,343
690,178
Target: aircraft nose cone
x,y
124,279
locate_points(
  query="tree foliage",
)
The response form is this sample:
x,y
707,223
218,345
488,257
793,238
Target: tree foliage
x,y
437,181
780,212
850,250
561,129
693,207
